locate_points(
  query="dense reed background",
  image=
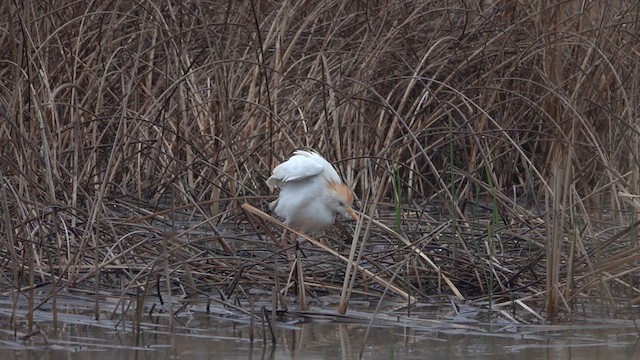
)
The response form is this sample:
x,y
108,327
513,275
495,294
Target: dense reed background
x,y
498,141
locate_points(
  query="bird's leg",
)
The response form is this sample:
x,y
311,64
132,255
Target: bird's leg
x,y
302,292
284,244
283,239
291,247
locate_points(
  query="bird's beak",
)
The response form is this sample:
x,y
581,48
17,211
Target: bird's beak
x,y
353,213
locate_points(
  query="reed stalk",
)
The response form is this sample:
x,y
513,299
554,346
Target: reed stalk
x,y
123,122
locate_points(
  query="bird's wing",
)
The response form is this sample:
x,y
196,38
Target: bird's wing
x,y
300,166
328,171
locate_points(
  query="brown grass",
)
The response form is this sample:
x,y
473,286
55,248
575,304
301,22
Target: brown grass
x,y
131,134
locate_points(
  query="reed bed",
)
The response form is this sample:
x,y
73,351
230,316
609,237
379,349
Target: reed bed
x,y
492,146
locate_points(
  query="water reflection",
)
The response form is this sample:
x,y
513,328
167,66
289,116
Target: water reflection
x,y
207,337
203,332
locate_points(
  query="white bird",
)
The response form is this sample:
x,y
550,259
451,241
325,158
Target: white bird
x,y
311,192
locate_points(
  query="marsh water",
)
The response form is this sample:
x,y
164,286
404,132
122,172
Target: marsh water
x,y
215,332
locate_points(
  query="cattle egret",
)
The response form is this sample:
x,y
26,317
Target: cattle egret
x,y
311,192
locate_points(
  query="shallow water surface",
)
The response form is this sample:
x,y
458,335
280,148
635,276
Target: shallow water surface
x,y
196,334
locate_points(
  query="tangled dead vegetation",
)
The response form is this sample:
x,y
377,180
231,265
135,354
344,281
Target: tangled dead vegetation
x,y
493,147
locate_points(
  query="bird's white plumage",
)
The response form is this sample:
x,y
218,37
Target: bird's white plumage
x,y
311,192
303,165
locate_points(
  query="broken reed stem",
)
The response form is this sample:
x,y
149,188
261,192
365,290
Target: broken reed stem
x,y
422,255
318,244
350,271
379,304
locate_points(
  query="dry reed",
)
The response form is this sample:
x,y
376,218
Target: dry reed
x,y
132,132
